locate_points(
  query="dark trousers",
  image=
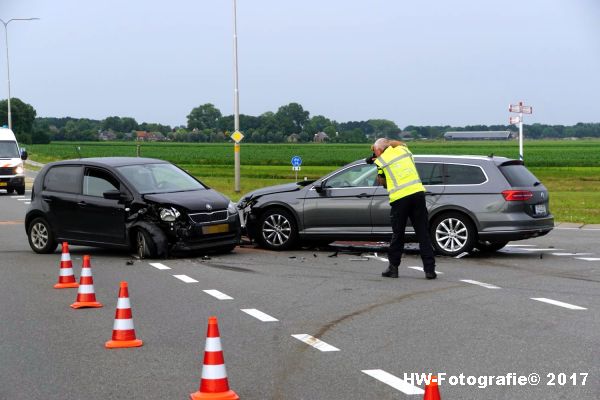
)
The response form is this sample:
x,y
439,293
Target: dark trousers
x,y
413,207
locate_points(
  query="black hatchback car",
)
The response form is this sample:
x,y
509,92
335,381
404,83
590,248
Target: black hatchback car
x,y
145,204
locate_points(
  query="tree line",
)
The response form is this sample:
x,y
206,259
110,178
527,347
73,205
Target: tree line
x,y
290,123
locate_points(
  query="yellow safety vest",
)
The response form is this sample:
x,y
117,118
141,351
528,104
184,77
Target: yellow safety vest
x,y
401,174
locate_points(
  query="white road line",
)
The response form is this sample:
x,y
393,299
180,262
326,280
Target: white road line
x,y
314,342
421,269
548,249
571,254
217,294
185,278
588,258
27,202
259,315
17,197
520,245
23,199
393,381
558,303
159,266
483,284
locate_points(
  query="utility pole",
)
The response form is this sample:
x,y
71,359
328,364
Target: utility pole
x,y
237,135
520,109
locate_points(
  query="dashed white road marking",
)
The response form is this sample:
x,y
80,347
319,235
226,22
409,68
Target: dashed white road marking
x,y
571,254
185,278
422,270
520,245
588,258
314,342
27,202
17,197
393,381
548,249
219,295
159,266
259,315
558,303
483,284
23,199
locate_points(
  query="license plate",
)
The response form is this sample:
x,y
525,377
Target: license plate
x,y
221,228
540,209
3,183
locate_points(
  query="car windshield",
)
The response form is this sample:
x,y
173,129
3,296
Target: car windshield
x,y
8,149
159,178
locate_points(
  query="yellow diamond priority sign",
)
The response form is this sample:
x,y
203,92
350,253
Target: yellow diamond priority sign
x,y
237,136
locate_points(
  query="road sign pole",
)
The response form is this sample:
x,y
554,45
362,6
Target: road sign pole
x,y
236,103
521,136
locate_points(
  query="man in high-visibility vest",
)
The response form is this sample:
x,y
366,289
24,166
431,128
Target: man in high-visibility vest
x,y
397,172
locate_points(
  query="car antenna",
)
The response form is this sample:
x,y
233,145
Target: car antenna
x,y
77,148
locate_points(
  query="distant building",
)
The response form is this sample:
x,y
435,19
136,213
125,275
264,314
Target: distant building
x,y
320,137
145,136
479,135
405,135
293,138
107,135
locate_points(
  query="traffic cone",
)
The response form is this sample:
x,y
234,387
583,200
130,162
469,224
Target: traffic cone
x,y
432,392
66,279
214,384
123,331
85,294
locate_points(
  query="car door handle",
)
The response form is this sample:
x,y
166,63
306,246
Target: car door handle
x,y
363,195
82,204
47,199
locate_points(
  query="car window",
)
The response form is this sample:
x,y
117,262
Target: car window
x,y
8,149
97,181
430,173
459,174
159,178
358,176
65,179
518,175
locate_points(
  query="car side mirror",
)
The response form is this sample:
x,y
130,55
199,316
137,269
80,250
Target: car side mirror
x,y
321,187
112,195
23,154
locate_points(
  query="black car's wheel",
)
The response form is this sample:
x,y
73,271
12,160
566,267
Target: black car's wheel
x,y
277,230
452,234
489,247
144,244
21,191
40,236
10,191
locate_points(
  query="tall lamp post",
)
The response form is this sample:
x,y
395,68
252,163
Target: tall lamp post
x,y
7,63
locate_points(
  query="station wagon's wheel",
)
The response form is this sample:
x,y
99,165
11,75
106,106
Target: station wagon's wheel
x,y
277,230
489,247
41,239
452,234
144,245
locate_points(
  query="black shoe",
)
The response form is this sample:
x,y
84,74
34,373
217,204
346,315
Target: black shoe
x,y
430,275
391,272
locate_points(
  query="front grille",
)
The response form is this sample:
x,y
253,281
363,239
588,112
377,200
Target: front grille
x,y
7,171
206,217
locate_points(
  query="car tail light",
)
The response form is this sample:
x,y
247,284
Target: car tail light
x,y
517,195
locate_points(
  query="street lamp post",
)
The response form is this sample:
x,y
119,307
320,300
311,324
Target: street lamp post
x,y
236,105
8,64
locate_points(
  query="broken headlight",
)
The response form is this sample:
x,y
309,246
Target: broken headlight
x,y
231,208
169,214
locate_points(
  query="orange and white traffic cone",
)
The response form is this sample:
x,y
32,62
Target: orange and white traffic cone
x,y
123,331
66,279
86,297
432,392
214,384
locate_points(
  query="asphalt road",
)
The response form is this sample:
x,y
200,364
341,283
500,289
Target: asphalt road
x,y
478,318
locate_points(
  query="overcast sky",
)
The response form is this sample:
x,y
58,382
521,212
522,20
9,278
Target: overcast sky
x,y
420,62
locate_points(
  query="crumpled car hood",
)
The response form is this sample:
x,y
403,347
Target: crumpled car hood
x,y
195,200
287,187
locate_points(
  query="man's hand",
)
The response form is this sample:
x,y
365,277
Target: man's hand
x,y
371,159
381,181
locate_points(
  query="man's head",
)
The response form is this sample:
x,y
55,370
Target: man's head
x,y
380,145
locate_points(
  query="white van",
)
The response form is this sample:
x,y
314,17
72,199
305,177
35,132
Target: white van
x,y
12,174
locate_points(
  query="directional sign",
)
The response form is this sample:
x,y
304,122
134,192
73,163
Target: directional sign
x,y
514,120
516,108
526,109
237,136
296,161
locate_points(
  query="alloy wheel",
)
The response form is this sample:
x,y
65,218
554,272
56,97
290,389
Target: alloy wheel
x,y
276,230
39,235
451,234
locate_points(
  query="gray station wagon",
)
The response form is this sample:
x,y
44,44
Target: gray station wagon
x,y
473,202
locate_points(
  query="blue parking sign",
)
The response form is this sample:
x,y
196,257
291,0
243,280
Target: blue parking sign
x,y
296,161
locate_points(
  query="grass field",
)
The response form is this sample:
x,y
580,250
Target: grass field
x,y
569,169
